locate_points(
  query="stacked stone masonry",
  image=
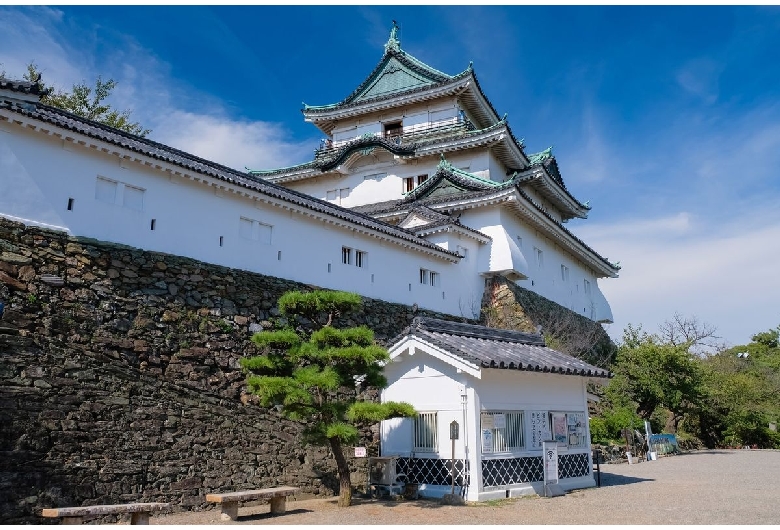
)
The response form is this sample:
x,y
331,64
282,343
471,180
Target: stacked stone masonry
x,y
120,379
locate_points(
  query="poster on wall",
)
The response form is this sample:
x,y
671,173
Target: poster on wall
x,y
560,429
487,440
575,423
540,430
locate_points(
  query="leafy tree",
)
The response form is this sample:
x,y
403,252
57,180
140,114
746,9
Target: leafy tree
x,y
652,374
742,394
88,102
315,372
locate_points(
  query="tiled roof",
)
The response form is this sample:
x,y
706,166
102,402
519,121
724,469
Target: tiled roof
x,y
25,87
497,348
438,221
402,206
66,120
393,52
458,177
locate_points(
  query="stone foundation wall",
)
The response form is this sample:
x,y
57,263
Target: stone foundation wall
x,y
506,305
120,379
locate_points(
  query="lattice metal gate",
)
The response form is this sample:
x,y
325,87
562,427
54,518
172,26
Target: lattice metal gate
x,y
433,471
505,471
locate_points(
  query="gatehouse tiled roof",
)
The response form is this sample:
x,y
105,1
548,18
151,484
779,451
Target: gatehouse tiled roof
x,y
497,348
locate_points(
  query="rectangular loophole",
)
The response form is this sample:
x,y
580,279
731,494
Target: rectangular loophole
x,y
279,255
328,267
221,240
70,204
153,224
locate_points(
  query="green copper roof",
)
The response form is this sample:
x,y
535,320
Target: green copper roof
x,y
397,72
538,158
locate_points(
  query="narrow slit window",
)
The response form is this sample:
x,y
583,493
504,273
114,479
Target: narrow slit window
x,y
153,224
279,255
221,240
426,432
70,204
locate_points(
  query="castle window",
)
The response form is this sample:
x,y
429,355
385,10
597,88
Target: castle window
x,y
360,258
105,190
393,129
421,179
408,184
346,255
539,257
426,432
133,198
429,278
506,429
337,195
586,286
255,230
564,273
70,204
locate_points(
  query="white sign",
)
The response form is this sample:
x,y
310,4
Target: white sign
x,y
550,457
487,421
499,421
540,430
487,440
360,452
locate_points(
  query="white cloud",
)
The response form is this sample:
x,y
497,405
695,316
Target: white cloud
x,y
234,143
700,77
724,275
180,116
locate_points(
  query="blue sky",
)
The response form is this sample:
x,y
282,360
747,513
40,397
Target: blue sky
x,y
667,119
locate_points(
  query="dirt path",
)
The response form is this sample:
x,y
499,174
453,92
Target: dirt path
x,y
707,487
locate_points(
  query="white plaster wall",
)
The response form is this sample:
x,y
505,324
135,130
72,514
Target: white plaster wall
x,y
519,390
39,176
430,385
413,117
547,279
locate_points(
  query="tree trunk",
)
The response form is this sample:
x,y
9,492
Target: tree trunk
x,y
345,483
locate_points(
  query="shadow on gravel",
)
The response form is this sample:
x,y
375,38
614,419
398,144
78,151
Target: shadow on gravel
x,y
267,515
611,479
417,503
703,452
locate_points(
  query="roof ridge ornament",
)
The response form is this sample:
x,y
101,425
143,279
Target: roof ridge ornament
x,y
443,164
393,44
537,158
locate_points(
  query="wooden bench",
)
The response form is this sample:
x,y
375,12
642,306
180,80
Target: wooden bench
x,y
229,501
75,515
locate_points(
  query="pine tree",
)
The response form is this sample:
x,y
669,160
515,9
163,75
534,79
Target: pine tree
x,y
87,102
315,374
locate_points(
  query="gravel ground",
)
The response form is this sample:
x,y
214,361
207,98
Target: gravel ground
x,y
704,487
